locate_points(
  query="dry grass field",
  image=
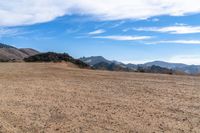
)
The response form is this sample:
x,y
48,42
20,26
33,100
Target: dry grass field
x,y
50,98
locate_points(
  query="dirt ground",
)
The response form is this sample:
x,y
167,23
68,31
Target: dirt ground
x,y
50,98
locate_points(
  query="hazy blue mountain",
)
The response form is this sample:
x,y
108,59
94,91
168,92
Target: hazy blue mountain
x,y
101,62
110,67
165,64
132,66
189,69
94,60
156,69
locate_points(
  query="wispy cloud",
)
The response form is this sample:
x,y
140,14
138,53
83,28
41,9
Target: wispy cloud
x,y
177,29
18,12
155,20
11,32
124,38
118,24
96,32
197,42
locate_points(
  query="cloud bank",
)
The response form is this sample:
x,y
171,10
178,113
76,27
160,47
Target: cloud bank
x,y
27,12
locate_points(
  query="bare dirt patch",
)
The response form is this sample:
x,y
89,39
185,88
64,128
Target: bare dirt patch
x,y
47,97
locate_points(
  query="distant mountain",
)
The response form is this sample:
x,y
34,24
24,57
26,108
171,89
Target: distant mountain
x,y
93,60
189,69
132,66
165,64
10,53
99,62
155,69
110,67
56,57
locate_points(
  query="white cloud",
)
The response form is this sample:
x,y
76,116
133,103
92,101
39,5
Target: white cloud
x,y
197,42
177,29
186,41
22,12
96,32
25,12
124,38
186,59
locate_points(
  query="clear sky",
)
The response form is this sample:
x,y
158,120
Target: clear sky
x,y
131,31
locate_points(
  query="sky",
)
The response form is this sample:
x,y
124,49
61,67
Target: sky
x,y
130,31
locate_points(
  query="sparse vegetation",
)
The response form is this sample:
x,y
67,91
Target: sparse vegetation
x,y
56,57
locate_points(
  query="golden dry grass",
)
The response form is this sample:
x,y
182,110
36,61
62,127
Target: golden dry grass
x,y
48,98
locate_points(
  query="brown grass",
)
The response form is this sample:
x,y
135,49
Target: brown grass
x,y
48,98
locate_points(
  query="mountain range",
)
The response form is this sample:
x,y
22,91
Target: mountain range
x,y
100,62
9,53
189,69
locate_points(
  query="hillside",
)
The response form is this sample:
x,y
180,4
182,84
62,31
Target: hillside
x,y
29,51
10,53
56,57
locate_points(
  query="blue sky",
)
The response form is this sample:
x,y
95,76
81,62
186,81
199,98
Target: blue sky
x,y
138,37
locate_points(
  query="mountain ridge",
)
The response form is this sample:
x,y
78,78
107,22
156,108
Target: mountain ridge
x,y
176,67
10,53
